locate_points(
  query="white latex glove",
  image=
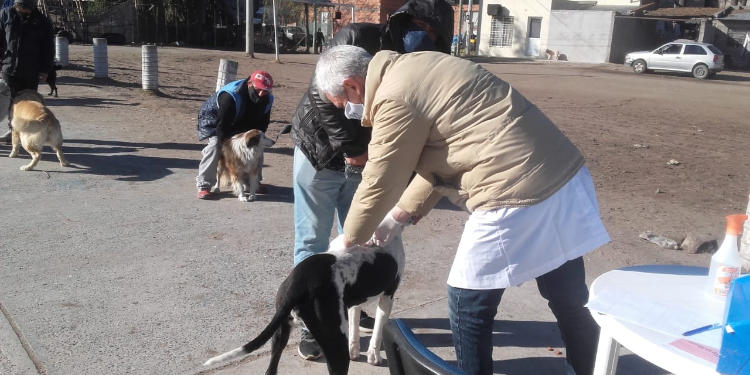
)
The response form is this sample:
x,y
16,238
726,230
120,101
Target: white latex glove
x,y
388,229
338,244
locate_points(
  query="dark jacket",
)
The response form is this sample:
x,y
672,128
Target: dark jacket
x,y
365,35
437,13
375,37
26,43
324,134
219,115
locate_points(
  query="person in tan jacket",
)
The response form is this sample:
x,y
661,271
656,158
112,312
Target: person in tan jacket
x,y
472,138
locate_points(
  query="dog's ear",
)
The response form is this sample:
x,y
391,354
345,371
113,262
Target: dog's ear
x,y
253,138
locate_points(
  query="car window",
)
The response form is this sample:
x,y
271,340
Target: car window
x,y
692,49
714,50
672,49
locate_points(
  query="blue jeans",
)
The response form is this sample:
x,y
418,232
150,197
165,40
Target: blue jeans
x,y
472,314
317,196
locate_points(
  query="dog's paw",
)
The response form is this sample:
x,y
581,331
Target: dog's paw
x,y
373,357
13,155
246,198
354,351
26,168
66,164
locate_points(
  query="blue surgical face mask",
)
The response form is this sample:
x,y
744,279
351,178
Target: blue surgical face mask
x,y
354,111
418,40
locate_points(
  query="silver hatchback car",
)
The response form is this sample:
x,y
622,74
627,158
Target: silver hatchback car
x,y
703,60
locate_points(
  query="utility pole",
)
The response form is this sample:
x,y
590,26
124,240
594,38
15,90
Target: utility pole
x,y
249,29
469,28
307,28
460,23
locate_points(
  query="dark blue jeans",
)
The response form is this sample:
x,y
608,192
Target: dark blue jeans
x,y
472,313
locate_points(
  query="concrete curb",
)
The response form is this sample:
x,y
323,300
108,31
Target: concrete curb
x,y
16,354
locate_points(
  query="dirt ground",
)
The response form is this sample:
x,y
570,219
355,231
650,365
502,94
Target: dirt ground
x,y
628,127
128,273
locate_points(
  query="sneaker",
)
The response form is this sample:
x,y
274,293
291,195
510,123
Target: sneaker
x,y
366,323
204,194
308,348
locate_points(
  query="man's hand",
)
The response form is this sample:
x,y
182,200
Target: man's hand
x,y
357,161
339,244
391,226
42,77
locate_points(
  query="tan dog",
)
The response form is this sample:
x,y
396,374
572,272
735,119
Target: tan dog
x,y
240,162
34,126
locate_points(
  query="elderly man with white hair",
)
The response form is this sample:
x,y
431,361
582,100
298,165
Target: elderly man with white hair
x,y
471,137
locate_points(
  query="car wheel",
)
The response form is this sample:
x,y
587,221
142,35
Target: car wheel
x,y
639,66
700,71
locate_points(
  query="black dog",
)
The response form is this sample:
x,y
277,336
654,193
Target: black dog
x,y
319,290
52,79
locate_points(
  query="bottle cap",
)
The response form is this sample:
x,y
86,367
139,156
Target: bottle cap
x,y
734,223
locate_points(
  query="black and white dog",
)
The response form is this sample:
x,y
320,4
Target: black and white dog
x,y
321,291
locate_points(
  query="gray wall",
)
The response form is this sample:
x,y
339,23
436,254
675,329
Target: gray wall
x,y
581,35
633,34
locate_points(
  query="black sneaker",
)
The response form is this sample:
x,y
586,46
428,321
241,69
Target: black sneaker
x,y
308,348
366,323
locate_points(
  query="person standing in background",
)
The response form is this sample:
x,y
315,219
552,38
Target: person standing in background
x,y
27,48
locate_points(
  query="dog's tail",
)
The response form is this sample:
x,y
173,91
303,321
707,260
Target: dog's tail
x,y
282,314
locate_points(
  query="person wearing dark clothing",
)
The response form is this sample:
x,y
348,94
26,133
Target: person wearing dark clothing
x,y
331,147
237,107
419,25
26,47
319,41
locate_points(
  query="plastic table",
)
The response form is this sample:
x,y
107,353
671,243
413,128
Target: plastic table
x,y
646,309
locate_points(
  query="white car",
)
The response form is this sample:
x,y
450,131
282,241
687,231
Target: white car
x,y
703,60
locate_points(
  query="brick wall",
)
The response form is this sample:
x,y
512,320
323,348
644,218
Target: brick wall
x,y
377,11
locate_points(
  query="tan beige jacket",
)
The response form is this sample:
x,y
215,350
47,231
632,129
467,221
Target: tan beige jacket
x,y
468,134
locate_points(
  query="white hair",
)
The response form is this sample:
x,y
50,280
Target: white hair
x,y
337,64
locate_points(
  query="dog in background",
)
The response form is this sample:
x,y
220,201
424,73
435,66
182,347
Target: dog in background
x,y
239,163
52,79
321,290
33,127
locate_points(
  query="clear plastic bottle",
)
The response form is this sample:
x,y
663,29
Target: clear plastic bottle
x,y
726,262
745,243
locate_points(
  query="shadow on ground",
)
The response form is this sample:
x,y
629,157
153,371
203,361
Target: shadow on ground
x,y
273,194
117,161
528,334
135,145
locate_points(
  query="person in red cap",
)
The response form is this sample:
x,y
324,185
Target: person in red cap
x,y
236,108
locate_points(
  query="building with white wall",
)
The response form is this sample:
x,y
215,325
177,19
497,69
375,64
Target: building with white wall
x,y
580,30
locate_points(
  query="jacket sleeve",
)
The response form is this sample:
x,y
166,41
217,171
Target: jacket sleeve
x,y
344,135
225,116
420,197
263,126
398,138
3,44
47,53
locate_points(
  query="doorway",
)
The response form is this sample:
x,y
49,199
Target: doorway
x,y
533,39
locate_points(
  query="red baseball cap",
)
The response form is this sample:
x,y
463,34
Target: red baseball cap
x,y
261,80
